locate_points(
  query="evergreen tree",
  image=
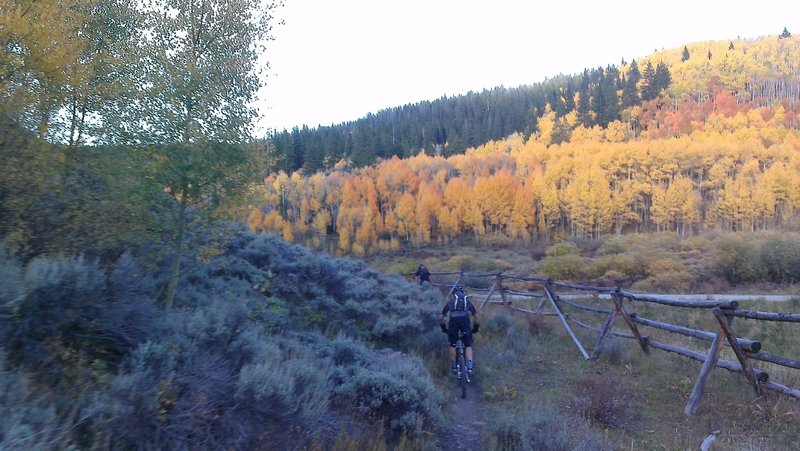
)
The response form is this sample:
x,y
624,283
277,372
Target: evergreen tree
x,y
584,102
709,54
731,47
685,55
605,102
662,77
785,33
630,94
649,85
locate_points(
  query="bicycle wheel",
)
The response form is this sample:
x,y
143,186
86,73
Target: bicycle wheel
x,y
462,375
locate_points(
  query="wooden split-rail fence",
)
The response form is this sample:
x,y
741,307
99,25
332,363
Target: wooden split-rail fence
x,y
723,312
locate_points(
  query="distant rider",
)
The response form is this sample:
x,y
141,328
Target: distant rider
x,y
460,308
423,274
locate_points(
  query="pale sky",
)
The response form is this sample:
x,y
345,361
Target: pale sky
x,y
337,60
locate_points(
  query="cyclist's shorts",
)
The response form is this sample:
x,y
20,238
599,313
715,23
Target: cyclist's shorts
x,y
453,327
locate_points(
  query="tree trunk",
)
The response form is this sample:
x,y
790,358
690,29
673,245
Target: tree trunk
x,y
177,247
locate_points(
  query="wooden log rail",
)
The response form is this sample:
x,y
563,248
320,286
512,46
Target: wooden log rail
x,y
748,345
724,312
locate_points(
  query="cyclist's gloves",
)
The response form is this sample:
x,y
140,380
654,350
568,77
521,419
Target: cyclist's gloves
x,y
476,328
444,328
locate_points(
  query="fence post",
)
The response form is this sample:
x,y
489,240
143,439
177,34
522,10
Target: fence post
x,y
729,335
457,282
488,296
617,297
502,289
606,327
708,364
553,300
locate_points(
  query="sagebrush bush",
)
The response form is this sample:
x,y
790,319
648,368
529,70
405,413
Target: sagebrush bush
x,y
394,388
242,361
599,399
70,313
497,322
28,421
517,339
538,427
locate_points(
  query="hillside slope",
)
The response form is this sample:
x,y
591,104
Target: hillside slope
x,y
761,71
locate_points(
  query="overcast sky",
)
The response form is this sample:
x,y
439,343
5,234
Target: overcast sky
x,y
337,60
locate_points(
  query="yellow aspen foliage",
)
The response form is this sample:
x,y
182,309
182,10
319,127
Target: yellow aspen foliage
x,y
582,134
390,224
287,232
322,219
406,215
523,214
365,232
547,126
255,219
273,221
494,198
345,241
616,132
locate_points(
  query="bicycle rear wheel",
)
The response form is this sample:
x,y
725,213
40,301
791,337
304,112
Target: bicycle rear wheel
x,y
462,375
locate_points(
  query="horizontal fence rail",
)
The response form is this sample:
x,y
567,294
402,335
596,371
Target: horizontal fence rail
x,y
723,313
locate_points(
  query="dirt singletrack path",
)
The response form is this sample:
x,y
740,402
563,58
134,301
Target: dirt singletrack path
x,y
465,424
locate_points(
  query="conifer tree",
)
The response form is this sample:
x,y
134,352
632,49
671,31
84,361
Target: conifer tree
x,y
630,94
662,77
650,85
785,33
584,105
605,102
685,55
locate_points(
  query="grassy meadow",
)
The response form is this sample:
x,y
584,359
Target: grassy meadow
x,y
535,390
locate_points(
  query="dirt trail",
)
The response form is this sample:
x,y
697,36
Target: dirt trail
x,y
465,424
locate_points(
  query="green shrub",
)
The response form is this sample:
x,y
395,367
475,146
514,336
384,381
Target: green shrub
x,y
616,244
461,263
625,266
737,260
563,267
563,248
780,259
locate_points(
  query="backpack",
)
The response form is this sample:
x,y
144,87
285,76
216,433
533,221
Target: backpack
x,y
460,304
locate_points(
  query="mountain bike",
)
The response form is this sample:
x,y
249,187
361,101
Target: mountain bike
x,y
461,365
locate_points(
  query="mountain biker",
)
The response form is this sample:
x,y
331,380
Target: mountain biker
x,y
459,308
423,274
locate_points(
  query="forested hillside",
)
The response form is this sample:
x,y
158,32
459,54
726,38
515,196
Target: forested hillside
x,y
761,72
719,148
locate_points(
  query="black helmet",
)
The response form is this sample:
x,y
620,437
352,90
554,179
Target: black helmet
x,y
458,287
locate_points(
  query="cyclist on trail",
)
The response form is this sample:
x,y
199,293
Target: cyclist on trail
x,y
423,274
459,308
